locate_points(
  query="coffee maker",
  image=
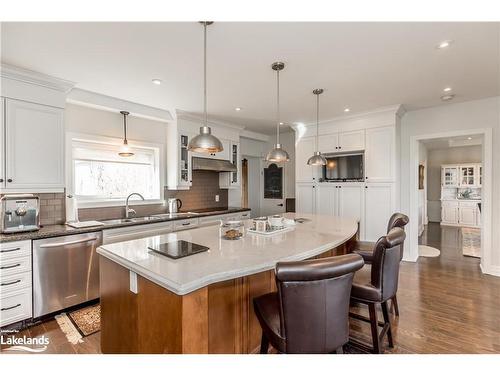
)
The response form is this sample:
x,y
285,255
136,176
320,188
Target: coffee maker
x,y
19,213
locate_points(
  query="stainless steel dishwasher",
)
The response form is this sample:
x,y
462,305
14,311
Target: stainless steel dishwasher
x,y
65,272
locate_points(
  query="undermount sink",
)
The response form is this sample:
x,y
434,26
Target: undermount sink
x,y
176,214
131,220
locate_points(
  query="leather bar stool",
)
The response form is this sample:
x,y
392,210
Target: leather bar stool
x,y
365,248
378,284
310,311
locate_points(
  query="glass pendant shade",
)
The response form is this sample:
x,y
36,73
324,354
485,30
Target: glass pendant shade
x,y
277,154
317,159
205,142
125,149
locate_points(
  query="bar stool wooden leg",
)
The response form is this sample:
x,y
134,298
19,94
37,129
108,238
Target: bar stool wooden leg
x,y
374,327
264,344
395,306
387,321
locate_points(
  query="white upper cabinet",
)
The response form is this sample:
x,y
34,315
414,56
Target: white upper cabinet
x,y
379,207
380,154
328,143
351,141
449,176
230,180
303,151
34,146
342,142
468,175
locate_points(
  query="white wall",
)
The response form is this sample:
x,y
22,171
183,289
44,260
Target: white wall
x,y
436,158
477,114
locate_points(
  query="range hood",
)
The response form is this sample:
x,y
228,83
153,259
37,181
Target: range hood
x,y
215,165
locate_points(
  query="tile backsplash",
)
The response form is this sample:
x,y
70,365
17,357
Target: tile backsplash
x,y
52,208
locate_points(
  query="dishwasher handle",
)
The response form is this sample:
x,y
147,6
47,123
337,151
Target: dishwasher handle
x,y
59,244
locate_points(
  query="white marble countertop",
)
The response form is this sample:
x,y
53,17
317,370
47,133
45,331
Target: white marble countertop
x,y
228,259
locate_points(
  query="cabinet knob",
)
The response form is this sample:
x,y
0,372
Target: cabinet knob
x,y
366,187
1,179
9,180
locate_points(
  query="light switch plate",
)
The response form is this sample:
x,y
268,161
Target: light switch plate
x,y
217,198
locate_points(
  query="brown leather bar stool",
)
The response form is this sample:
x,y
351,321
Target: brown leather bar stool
x,y
377,284
310,311
365,248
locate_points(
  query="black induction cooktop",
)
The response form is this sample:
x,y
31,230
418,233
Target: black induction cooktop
x,y
178,249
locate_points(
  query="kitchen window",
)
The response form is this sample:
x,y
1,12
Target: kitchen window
x,y
100,176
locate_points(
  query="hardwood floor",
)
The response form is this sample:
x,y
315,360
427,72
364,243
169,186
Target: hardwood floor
x,y
446,306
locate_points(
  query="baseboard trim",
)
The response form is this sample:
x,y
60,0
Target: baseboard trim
x,y
490,270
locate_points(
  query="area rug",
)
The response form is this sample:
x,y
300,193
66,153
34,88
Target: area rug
x,y
471,242
80,323
427,251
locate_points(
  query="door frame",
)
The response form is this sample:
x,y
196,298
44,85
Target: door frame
x,y
486,194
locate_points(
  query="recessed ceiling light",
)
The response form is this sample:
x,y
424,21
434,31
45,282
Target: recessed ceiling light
x,y
447,97
281,123
156,81
469,138
447,89
347,109
237,109
444,44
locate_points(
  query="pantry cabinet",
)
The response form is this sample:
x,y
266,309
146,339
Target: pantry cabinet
x,y
33,135
380,154
305,195
379,206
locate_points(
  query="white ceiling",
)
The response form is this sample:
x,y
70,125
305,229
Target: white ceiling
x,y
444,143
360,65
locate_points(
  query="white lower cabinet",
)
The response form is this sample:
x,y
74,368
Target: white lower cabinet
x,y
15,282
371,204
379,206
305,198
457,213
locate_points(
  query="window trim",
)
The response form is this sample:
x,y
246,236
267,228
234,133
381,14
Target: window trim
x,y
94,203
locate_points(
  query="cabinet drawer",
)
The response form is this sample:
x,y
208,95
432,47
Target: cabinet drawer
x,y
211,220
467,204
15,306
185,224
15,266
12,283
245,215
135,232
10,250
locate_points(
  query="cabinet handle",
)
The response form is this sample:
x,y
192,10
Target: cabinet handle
x,y
10,250
11,283
7,267
9,180
1,179
10,308
186,223
280,205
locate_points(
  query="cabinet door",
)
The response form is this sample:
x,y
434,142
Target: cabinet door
x,y
2,151
305,194
185,169
467,176
378,209
235,159
352,141
326,199
467,216
449,213
379,154
328,143
449,176
34,146
303,151
351,202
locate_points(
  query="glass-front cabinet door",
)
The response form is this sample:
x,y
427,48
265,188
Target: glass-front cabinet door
x,y
449,176
467,176
184,161
235,157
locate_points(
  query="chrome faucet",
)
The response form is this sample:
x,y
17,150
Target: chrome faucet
x,y
131,210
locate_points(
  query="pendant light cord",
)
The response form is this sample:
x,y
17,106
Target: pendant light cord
x,y
278,107
317,122
205,73
125,128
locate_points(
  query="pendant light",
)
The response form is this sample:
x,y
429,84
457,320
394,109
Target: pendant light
x,y
317,158
278,154
205,142
125,149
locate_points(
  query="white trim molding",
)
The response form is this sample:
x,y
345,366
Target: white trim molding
x,y
35,78
254,135
183,115
487,196
112,104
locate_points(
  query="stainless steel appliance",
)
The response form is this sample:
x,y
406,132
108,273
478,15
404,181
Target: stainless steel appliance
x,y
19,213
65,272
347,167
214,165
174,205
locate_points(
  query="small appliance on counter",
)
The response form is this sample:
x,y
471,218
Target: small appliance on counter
x,y
19,213
174,205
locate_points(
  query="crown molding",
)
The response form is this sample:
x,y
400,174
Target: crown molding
x,y
183,115
35,78
254,135
109,103
397,110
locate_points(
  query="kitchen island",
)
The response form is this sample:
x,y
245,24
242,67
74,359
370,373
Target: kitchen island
x,y
202,303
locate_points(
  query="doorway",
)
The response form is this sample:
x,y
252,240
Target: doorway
x,y
452,208
251,184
